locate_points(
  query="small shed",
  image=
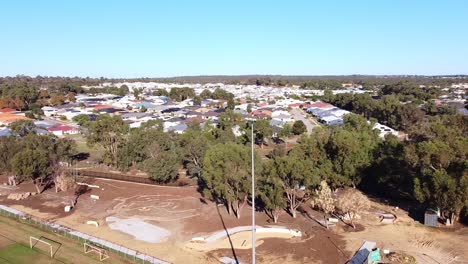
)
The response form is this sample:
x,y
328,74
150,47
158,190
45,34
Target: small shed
x,y
430,218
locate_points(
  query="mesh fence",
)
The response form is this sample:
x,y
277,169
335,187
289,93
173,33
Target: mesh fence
x,y
124,252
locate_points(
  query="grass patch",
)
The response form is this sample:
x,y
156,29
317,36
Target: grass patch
x,y
95,152
21,253
14,246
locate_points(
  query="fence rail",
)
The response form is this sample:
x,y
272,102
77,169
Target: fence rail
x,y
114,176
126,253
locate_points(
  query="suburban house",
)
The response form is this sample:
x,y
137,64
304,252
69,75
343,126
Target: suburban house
x,y
61,130
49,111
8,118
385,130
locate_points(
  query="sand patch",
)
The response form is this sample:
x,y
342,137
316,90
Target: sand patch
x,y
139,229
241,238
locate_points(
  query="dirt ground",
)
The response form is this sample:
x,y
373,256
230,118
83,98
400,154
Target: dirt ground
x,y
428,245
183,212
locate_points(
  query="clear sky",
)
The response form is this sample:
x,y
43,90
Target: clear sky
x,y
172,38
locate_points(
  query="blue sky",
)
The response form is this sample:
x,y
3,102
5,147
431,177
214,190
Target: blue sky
x,y
173,38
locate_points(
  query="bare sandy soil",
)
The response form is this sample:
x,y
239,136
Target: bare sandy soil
x,y
428,245
180,210
185,214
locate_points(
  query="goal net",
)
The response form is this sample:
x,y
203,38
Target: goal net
x,y
33,241
103,255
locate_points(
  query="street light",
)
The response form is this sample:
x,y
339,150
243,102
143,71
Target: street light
x,y
253,197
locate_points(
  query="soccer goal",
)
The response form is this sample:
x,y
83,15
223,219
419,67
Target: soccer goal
x,y
103,255
43,240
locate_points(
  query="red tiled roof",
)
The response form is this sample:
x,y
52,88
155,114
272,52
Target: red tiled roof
x,y
100,106
195,118
211,113
321,105
61,128
7,110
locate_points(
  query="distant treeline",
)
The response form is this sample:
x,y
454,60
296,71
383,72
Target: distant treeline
x,y
319,82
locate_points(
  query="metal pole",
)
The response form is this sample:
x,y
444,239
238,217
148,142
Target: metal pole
x,y
253,198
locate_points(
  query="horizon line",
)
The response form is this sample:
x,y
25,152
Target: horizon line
x,y
455,75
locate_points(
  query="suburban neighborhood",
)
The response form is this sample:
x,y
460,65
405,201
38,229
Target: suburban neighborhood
x,y
234,132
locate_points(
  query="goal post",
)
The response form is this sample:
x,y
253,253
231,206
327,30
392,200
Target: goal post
x,y
36,240
103,255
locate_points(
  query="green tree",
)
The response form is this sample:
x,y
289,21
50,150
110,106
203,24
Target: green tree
x,y
162,168
31,164
328,95
181,94
108,132
231,104
123,90
22,128
142,144
229,119
205,94
351,148
226,175
295,177
82,119
137,92
160,92
9,146
196,100
262,131
271,193
389,169
437,154
194,144
286,131
249,108
299,127
406,115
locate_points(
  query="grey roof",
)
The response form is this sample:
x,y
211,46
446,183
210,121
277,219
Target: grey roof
x,y
179,127
276,122
175,119
5,132
137,115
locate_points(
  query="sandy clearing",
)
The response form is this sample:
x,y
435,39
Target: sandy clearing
x,y
427,245
239,240
138,228
183,212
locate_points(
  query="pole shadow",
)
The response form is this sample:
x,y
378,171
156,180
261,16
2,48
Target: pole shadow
x,y
227,234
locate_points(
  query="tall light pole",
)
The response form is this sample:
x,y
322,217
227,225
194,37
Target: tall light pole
x,y
253,197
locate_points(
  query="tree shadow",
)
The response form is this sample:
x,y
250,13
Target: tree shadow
x,y
80,190
415,210
307,215
81,156
48,183
227,234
